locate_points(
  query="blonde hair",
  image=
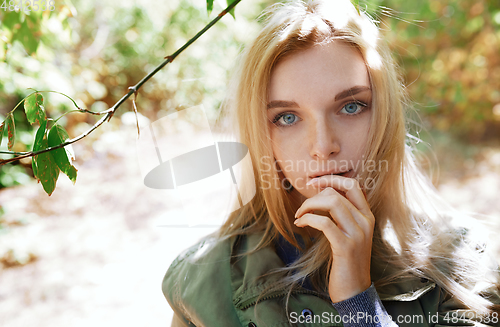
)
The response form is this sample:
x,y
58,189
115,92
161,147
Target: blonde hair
x,y
402,199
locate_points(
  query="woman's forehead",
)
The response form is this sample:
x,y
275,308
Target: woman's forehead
x,y
330,67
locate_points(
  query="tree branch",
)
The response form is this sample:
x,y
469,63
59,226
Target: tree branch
x,y
132,90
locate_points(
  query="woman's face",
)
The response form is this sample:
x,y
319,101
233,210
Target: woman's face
x,y
319,112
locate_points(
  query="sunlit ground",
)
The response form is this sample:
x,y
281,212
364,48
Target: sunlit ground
x,y
98,254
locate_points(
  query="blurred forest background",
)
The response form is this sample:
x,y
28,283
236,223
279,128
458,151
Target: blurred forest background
x,y
93,252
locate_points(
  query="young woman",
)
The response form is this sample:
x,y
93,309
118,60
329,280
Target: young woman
x,y
344,229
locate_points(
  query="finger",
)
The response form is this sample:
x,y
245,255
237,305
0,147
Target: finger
x,y
361,212
340,209
349,186
315,202
323,224
358,216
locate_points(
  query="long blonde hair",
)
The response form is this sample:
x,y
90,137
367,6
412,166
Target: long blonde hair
x,y
402,199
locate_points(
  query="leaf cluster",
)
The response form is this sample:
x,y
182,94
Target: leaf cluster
x,y
47,165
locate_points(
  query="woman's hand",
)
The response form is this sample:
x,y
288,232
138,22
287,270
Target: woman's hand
x,y
349,231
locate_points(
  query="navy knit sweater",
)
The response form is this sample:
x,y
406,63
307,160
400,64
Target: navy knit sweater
x,y
364,309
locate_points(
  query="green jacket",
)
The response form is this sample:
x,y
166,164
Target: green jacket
x,y
209,286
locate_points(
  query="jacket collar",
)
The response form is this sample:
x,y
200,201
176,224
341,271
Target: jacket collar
x,y
247,286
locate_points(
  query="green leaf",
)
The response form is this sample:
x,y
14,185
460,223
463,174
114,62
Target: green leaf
x,y
40,133
46,168
3,50
38,145
11,131
10,19
356,4
63,157
1,131
33,106
27,37
48,172
210,6
232,10
72,174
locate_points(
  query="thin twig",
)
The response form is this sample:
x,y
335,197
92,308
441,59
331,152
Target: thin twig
x,y
132,90
136,118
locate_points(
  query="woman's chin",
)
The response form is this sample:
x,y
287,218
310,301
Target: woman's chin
x,y
307,192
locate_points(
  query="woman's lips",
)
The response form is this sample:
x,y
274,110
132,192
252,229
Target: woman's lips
x,y
343,174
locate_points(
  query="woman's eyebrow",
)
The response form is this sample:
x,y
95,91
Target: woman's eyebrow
x,y
351,91
280,103
344,94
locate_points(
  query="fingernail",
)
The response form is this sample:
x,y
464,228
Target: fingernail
x,y
296,221
313,181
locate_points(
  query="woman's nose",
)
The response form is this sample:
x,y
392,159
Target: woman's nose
x,y
323,140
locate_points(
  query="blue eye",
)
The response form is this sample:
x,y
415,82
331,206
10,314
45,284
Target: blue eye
x,y
285,119
353,108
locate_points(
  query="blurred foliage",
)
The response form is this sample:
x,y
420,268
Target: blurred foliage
x,y
93,51
450,53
